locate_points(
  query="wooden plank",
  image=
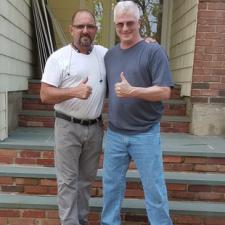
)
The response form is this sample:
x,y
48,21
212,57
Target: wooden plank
x,y
10,66
13,50
22,7
15,34
13,83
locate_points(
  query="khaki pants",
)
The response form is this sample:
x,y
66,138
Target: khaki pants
x,y
77,151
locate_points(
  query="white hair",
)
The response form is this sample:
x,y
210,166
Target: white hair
x,y
127,6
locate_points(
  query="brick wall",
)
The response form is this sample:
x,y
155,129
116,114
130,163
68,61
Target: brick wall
x,y
208,84
50,217
171,163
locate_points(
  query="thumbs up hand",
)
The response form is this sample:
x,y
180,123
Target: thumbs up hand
x,y
84,89
123,89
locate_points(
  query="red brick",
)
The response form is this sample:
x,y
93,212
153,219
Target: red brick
x,y
34,214
206,168
176,187
35,190
216,5
7,156
211,14
47,154
205,28
12,188
186,219
198,188
21,221
212,196
52,214
220,161
178,195
6,180
135,218
178,167
45,162
134,193
214,221
29,154
25,161
52,190
26,181
173,159
51,222
3,221
9,213
195,160
48,182
94,216
221,169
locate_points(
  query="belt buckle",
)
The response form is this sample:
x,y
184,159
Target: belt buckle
x,y
82,122
72,119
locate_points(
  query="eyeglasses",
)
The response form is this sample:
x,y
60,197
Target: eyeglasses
x,y
128,24
82,26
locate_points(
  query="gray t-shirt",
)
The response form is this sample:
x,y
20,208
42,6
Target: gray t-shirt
x,y
144,65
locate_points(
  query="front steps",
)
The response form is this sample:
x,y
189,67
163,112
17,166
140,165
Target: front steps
x,y
181,186
43,210
194,173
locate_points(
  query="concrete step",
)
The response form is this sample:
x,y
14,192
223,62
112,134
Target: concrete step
x,y
44,208
44,118
180,185
132,175
181,152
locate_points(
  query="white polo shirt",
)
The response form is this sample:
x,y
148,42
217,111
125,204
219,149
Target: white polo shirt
x,y
67,68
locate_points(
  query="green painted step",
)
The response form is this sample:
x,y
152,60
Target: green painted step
x,y
176,144
132,175
8,201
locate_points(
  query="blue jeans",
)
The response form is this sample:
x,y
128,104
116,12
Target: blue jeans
x,y
144,149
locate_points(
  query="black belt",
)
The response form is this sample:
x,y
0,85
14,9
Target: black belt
x,y
75,120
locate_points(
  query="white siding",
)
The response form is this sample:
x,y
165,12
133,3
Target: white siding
x,y
182,44
15,44
3,116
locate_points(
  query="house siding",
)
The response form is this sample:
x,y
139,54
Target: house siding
x,y
16,61
182,45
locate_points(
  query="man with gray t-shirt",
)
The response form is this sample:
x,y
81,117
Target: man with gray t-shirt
x,y
138,79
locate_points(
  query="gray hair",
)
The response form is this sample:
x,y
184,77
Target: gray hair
x,y
127,6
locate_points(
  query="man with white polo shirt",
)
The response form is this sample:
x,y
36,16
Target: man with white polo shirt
x,y
74,80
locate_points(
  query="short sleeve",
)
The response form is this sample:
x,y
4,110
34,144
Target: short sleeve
x,y
52,72
159,68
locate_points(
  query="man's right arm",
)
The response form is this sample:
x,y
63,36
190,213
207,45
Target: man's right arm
x,y
53,95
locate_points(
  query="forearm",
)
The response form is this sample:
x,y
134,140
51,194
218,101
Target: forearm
x,y
53,95
153,94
